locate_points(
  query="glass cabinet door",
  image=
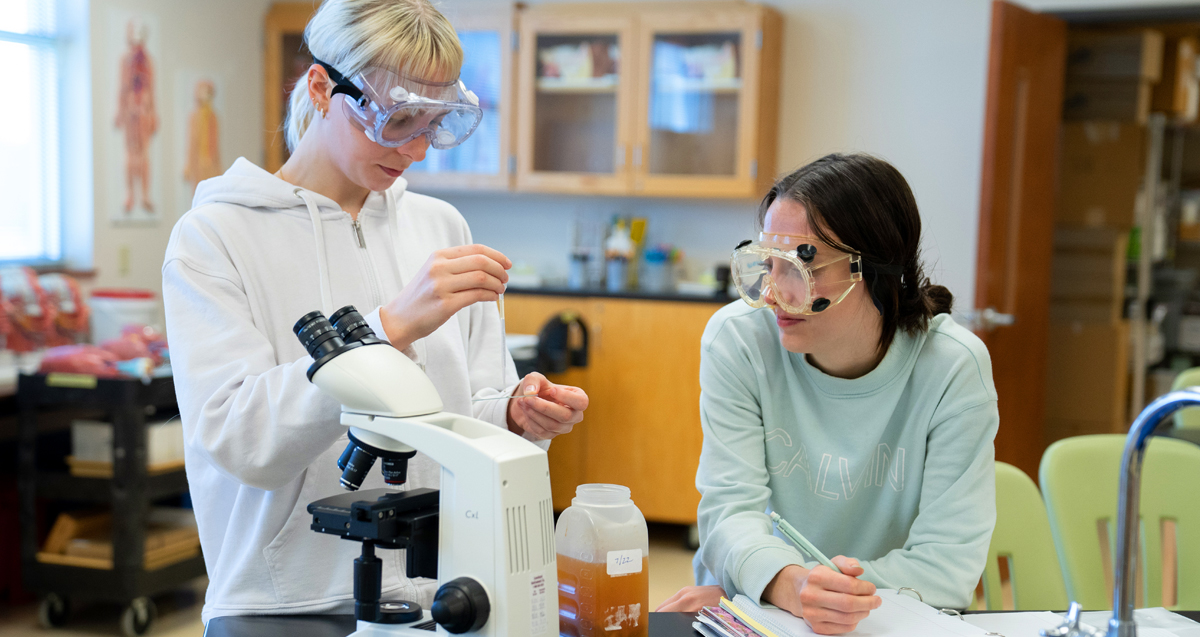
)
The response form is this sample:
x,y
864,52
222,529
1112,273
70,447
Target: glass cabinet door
x,y
575,89
482,160
695,89
701,125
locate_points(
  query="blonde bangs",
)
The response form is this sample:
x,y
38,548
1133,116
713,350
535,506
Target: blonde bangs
x,y
407,36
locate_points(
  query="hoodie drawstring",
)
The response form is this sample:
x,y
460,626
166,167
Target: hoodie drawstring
x,y
322,261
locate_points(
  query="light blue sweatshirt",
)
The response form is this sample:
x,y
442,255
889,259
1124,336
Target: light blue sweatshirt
x,y
894,468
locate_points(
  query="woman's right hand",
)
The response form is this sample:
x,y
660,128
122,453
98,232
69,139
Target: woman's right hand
x,y
832,603
450,280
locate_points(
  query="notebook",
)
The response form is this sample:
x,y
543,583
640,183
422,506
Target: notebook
x,y
899,616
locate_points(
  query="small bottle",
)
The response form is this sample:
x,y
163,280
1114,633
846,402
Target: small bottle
x,y
603,565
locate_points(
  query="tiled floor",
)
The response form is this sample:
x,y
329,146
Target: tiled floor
x,y
179,614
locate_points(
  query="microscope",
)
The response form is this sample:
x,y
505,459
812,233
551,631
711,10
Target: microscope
x,y
487,534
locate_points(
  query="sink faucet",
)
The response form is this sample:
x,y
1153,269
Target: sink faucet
x,y
1125,564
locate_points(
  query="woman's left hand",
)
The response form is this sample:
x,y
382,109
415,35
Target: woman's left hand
x,y
552,412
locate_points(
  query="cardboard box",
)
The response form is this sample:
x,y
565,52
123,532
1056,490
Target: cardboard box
x,y
1087,282
1115,55
1088,375
1124,100
1102,170
1178,93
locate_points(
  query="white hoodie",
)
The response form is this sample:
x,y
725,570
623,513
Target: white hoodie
x,y
254,255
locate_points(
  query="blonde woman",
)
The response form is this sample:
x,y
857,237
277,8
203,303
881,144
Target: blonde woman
x,y
335,226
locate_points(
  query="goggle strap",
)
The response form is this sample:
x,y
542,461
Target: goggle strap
x,y
344,86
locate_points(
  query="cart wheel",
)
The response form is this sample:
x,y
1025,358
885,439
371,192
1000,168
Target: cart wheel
x,y
53,611
137,617
693,538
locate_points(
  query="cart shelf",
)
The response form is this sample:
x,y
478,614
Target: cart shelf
x,y
129,491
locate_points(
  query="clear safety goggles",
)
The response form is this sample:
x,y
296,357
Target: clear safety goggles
x,y
799,274
393,109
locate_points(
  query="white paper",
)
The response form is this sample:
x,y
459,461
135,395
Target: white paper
x,y
1015,624
898,616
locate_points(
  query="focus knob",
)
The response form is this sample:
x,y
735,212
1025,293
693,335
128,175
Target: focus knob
x,y
461,605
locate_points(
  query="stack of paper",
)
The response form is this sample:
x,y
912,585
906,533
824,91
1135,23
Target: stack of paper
x,y
899,616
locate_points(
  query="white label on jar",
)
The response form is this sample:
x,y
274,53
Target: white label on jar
x,y
537,603
624,562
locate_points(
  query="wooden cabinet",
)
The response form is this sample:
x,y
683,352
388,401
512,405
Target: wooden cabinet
x,y
608,98
642,429
664,100
285,60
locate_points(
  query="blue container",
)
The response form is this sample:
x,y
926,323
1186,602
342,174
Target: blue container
x,y
618,273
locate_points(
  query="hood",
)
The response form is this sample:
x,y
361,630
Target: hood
x,y
245,184
253,188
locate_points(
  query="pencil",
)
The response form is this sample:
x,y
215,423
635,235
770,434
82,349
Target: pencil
x,y
799,540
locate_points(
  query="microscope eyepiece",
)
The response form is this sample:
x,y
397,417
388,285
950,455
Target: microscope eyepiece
x,y
353,328
321,339
317,335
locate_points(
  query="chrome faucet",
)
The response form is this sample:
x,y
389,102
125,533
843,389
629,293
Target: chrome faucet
x,y
1125,566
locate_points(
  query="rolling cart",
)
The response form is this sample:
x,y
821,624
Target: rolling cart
x,y
129,492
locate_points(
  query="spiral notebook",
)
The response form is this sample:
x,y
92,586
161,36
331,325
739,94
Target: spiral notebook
x,y
899,616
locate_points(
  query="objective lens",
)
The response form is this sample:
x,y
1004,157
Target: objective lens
x,y
356,469
317,335
395,468
344,459
352,326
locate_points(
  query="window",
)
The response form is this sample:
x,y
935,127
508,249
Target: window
x,y
30,212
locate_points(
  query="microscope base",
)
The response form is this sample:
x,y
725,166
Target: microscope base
x,y
368,629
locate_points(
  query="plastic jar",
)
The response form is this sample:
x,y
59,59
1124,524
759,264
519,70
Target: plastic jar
x,y
113,309
603,565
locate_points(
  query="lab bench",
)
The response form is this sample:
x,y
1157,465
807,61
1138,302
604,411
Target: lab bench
x,y
43,400
661,625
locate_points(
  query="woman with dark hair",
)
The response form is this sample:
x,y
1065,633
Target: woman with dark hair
x,y
842,396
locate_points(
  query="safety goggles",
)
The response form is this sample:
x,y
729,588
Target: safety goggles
x,y
393,109
799,274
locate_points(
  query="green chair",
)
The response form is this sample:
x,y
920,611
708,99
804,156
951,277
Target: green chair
x,y
1079,479
1022,537
1188,418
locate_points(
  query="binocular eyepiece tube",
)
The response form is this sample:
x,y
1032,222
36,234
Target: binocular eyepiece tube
x,y
325,338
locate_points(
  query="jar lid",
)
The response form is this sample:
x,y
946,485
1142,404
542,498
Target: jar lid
x,y
602,493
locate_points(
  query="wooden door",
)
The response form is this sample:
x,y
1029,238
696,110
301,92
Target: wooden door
x,y
286,59
699,130
1016,218
576,75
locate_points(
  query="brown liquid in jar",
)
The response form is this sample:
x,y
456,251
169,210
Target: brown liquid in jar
x,y
593,604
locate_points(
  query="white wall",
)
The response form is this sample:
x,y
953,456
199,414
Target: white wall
x,y
224,37
902,80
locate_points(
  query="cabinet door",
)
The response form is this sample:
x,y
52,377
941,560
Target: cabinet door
x,y
575,93
482,161
642,427
286,59
701,102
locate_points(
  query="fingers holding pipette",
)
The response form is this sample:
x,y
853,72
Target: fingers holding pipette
x,y
547,410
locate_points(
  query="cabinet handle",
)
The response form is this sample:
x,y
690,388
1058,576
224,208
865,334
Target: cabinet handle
x,y
620,156
637,156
